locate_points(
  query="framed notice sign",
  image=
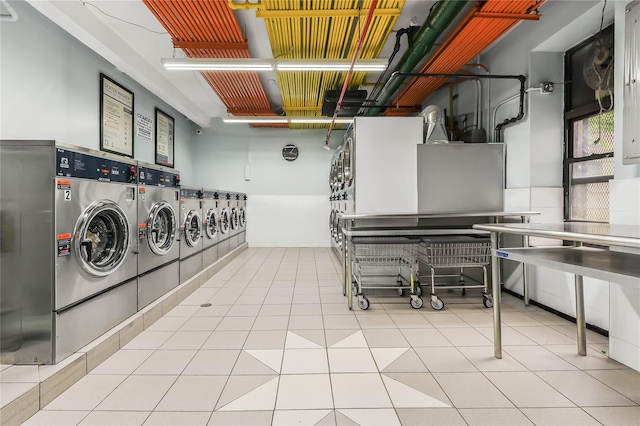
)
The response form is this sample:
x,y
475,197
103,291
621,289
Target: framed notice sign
x,y
165,132
116,117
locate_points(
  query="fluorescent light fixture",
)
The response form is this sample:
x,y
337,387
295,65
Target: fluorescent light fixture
x,y
205,64
284,120
252,64
267,120
320,120
364,65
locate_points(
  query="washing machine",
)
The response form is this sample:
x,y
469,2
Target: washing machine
x,y
242,218
211,222
68,243
333,217
234,216
224,217
158,231
191,232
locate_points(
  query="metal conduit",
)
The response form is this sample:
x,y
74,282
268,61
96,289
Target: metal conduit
x,y
500,126
300,29
469,39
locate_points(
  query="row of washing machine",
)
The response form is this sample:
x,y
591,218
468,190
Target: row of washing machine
x,y
89,238
213,223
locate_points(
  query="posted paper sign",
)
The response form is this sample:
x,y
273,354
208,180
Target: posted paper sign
x,y
144,127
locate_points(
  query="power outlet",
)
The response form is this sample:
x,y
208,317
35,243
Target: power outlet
x,y
546,87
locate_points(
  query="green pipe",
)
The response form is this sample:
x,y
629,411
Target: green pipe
x,y
443,14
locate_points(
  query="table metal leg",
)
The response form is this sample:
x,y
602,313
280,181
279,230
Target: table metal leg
x,y
525,267
580,318
348,282
497,295
345,275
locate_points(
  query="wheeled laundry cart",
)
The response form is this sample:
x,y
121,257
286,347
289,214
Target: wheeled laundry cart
x,y
461,251
377,262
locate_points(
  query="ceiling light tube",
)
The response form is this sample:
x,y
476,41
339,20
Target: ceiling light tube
x,y
254,119
320,120
253,64
207,64
368,65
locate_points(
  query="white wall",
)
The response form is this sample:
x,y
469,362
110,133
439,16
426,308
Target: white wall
x,y
288,202
50,89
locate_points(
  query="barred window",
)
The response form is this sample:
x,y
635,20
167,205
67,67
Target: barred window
x,y
589,130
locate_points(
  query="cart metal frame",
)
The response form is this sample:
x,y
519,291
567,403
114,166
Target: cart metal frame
x,y
385,258
421,227
462,251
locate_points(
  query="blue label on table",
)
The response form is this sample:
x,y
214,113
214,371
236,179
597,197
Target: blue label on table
x,y
502,254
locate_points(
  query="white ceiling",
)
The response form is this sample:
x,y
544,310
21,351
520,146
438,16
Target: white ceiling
x,y
136,47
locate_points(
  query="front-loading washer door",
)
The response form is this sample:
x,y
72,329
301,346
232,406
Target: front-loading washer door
x,y
211,224
340,172
224,221
101,238
193,228
348,163
242,217
332,218
161,226
234,218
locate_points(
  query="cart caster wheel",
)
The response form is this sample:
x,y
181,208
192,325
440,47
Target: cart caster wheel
x,y
437,304
418,290
363,302
487,301
416,303
400,290
462,289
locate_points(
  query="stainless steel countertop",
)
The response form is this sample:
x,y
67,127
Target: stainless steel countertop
x,y
434,216
585,232
409,232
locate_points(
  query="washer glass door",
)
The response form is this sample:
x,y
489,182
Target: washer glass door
x,y
193,228
161,228
211,224
340,171
101,240
348,163
332,219
243,217
224,221
234,218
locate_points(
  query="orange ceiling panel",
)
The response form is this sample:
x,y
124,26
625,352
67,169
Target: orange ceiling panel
x,y
208,29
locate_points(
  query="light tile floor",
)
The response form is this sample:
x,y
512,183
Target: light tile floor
x,y
279,346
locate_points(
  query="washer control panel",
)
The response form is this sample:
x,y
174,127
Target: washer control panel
x,y
154,177
86,166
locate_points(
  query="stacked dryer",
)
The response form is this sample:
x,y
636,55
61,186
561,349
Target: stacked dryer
x,y
375,169
211,215
191,232
68,265
342,191
158,236
224,240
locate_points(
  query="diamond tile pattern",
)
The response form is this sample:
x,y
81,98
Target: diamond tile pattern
x,y
263,354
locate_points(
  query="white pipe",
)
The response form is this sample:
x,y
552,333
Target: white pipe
x,y
478,104
12,16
